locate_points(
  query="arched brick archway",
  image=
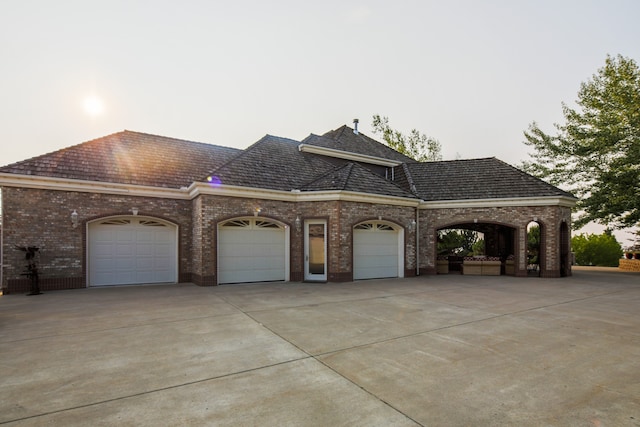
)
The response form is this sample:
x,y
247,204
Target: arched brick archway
x,y
500,240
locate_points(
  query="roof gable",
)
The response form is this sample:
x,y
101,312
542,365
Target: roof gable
x,y
487,178
129,158
346,140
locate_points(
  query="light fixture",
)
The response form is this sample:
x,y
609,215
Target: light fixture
x,y
298,223
412,225
74,219
257,211
135,211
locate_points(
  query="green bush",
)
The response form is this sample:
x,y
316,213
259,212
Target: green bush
x,y
596,249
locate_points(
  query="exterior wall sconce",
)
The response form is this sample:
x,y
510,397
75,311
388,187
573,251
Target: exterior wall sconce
x,y
74,219
412,225
298,223
134,211
257,211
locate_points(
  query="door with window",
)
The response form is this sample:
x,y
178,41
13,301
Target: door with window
x,y
315,250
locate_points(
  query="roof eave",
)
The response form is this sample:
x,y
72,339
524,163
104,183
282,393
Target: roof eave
x,y
84,186
200,188
363,158
562,201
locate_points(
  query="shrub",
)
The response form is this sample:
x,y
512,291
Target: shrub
x,y
596,249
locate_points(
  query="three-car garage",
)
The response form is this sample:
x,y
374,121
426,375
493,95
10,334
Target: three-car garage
x,y
132,250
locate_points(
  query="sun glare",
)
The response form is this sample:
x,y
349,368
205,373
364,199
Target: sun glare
x,y
93,106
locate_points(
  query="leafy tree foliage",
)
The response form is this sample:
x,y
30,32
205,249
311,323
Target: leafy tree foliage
x,y
533,244
457,242
478,247
596,152
416,145
601,249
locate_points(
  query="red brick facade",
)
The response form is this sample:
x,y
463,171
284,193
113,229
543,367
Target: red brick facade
x,y
38,217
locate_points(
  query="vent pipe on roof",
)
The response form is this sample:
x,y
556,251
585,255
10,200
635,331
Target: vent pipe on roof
x,y
355,126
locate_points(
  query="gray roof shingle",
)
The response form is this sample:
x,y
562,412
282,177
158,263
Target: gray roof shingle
x,y
487,178
276,163
353,177
344,139
272,163
129,158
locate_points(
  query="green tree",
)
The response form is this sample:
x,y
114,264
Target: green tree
x,y
533,244
456,242
596,152
416,145
478,247
596,249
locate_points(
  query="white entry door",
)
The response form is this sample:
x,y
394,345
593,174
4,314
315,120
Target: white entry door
x,y
315,250
377,251
132,250
252,250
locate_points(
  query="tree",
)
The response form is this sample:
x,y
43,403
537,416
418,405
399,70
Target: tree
x,y
457,242
479,247
596,152
416,145
591,249
533,244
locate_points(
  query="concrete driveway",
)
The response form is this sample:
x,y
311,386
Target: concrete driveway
x,y
431,350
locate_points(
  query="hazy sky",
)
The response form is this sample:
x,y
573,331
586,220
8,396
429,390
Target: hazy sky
x,y
473,74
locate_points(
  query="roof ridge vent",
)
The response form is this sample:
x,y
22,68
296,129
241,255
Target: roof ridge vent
x,y
355,126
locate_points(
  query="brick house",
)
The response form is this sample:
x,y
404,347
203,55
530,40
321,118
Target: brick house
x,y
133,208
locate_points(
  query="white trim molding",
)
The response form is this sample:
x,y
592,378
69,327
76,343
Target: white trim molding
x,y
203,188
65,184
563,201
363,158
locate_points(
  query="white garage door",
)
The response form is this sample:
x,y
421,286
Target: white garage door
x,y
375,251
125,251
251,250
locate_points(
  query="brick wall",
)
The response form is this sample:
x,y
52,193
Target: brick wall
x,y
340,217
550,219
42,218
629,265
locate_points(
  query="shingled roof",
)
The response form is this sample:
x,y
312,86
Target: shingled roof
x,y
353,177
272,163
344,139
487,178
278,163
129,158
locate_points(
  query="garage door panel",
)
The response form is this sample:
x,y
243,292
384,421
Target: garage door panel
x,y
248,251
132,251
375,252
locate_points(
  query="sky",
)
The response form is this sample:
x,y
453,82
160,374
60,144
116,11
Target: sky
x,y
472,74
